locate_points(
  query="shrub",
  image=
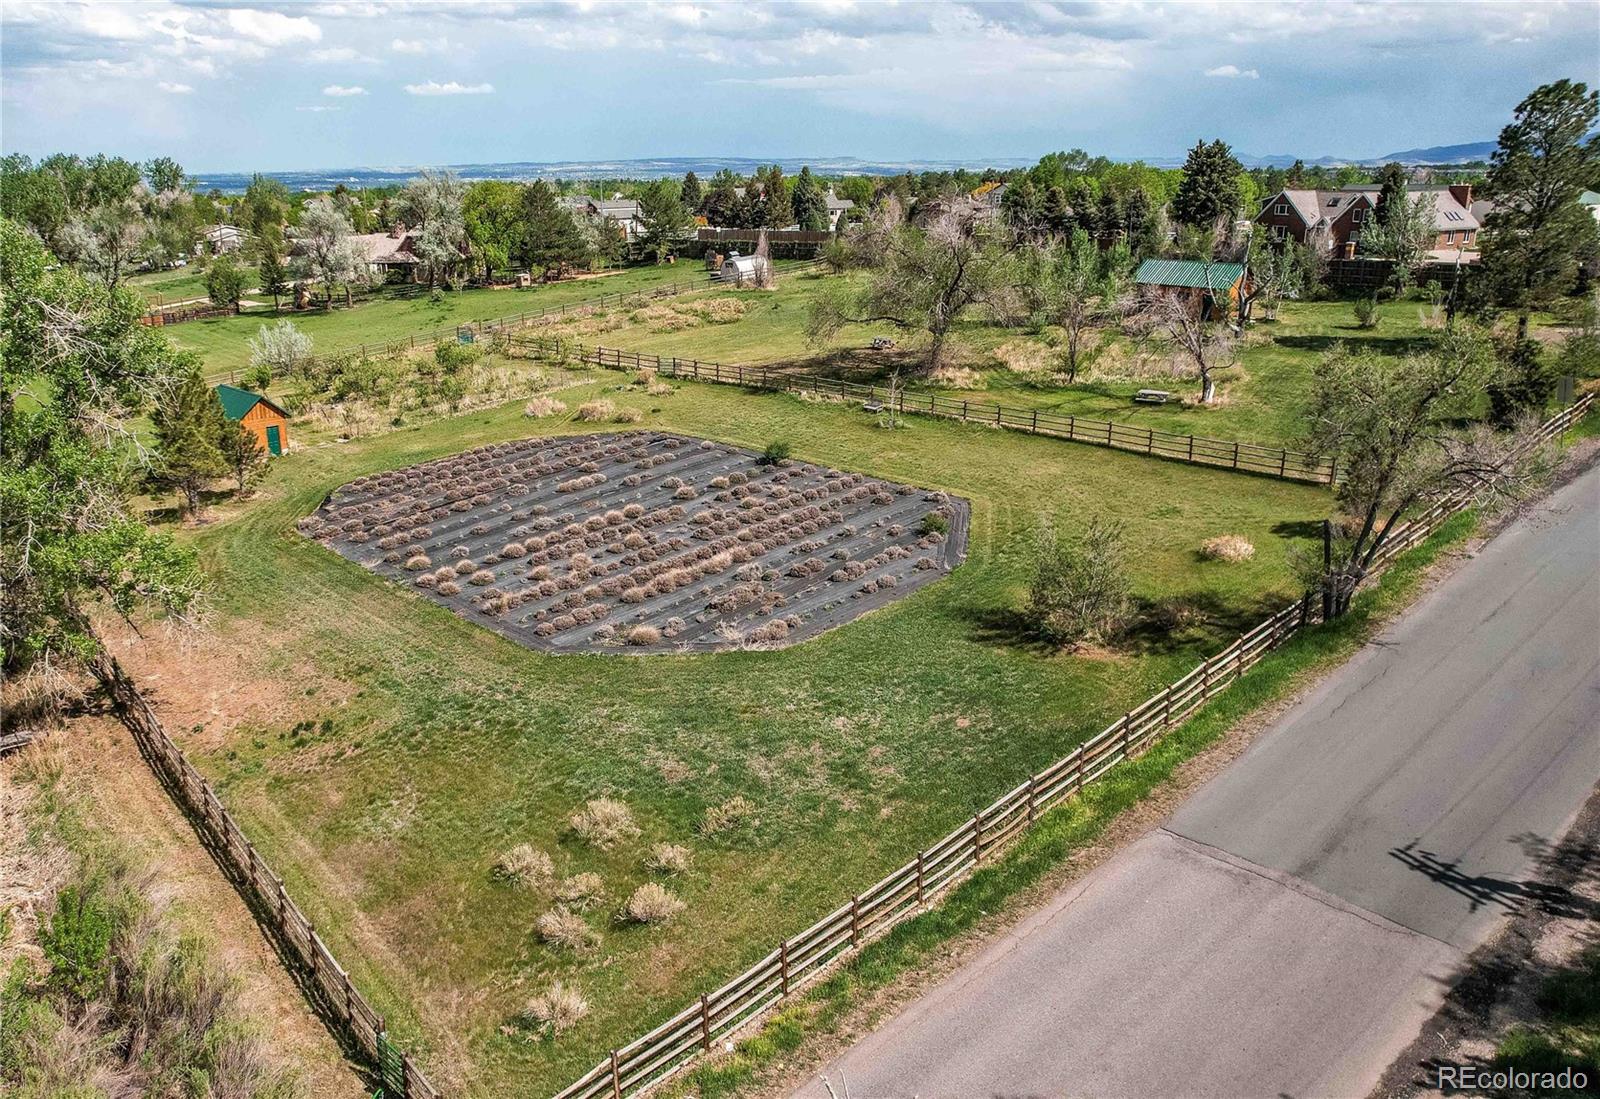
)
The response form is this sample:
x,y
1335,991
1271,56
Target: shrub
x,y
481,578
643,635
564,928
540,407
453,357
731,814
77,944
597,410
1079,591
1227,547
777,451
417,563
1366,311
558,1007
935,522
628,416
652,903
668,858
604,822
449,587
581,891
524,864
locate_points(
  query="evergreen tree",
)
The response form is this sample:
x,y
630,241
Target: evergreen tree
x,y
810,204
188,424
552,239
665,219
777,210
1210,187
721,203
1057,214
1296,178
692,194
273,275
225,282
1392,191
1140,223
1022,208
1537,232
242,453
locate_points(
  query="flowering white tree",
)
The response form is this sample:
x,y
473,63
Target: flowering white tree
x,y
279,348
322,246
432,207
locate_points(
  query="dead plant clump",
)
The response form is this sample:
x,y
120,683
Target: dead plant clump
x,y
720,310
652,903
659,389
540,407
628,416
581,892
593,412
524,864
644,375
1232,548
1024,356
731,814
668,858
604,823
642,635
559,1007
958,377
563,928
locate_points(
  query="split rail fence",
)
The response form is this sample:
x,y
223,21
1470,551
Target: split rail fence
x,y
1269,461
511,321
912,888
347,1011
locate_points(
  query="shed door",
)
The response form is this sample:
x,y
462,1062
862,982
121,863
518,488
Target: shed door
x,y
274,441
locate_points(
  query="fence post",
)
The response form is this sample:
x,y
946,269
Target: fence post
x,y
1127,721
405,1073
1032,783
783,965
1283,463
1072,422
705,1024
977,837
616,1077
1166,708
1036,420
855,920
1150,443
1235,455
1191,448
919,878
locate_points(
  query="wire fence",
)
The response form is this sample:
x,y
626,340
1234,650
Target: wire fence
x,y
1292,465
915,886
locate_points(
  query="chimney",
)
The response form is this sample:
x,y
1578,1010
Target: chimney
x,y
1463,194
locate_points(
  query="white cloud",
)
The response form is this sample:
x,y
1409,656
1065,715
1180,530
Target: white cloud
x,y
316,110
174,89
421,45
341,54
1233,72
433,87
272,28
341,90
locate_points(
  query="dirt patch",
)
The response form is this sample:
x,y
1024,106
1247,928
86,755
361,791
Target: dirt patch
x,y
644,542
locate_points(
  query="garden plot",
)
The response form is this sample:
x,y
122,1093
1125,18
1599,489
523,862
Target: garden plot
x,y
644,541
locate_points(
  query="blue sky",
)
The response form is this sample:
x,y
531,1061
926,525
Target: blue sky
x,y
310,85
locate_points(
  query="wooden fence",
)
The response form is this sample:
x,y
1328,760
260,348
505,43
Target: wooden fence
x,y
511,321
1291,465
343,1007
161,316
912,888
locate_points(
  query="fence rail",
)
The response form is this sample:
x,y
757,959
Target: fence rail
x,y
1269,461
910,889
511,321
349,1012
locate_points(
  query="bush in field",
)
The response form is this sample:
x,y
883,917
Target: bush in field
x,y
524,864
418,563
540,407
596,411
731,814
1227,547
1366,311
561,927
776,451
668,858
452,358
581,891
559,1007
629,416
934,522
282,348
652,903
1079,591
604,822
642,635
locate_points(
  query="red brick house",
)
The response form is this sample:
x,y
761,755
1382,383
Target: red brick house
x,y
1336,217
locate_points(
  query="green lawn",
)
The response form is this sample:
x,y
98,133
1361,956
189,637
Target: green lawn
x,y
407,748
181,284
400,311
1261,397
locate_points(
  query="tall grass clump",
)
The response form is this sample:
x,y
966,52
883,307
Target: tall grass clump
x,y
604,823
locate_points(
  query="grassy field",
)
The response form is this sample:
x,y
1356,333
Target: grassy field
x,y
1260,398
181,284
400,311
383,752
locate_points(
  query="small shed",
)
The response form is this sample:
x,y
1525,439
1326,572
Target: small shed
x,y
742,270
268,422
1204,283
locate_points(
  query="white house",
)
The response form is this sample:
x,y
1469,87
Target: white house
x,y
221,239
837,208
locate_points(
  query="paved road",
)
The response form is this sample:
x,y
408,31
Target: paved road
x,y
1292,926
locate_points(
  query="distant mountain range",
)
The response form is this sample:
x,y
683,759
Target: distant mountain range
x,y
324,179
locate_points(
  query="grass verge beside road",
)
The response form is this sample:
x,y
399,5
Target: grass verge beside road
x,y
804,1029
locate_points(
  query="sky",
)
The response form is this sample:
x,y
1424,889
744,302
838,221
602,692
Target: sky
x,y
282,86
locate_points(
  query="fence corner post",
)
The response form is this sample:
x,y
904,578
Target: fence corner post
x,y
616,1077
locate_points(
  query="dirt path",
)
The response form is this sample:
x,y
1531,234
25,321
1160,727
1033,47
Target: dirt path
x,y
123,797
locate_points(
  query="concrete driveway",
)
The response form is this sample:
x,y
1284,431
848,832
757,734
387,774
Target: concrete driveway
x,y
1298,919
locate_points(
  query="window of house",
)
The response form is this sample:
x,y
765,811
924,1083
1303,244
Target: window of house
x,y
1281,209
1357,216
1332,202
1279,232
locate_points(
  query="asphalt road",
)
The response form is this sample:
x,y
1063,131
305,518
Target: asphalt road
x,y
1289,930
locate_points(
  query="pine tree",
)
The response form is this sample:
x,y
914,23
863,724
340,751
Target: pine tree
x,y
777,209
1210,187
721,202
188,428
1057,214
810,204
242,452
553,240
692,193
274,275
1391,192
1297,175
